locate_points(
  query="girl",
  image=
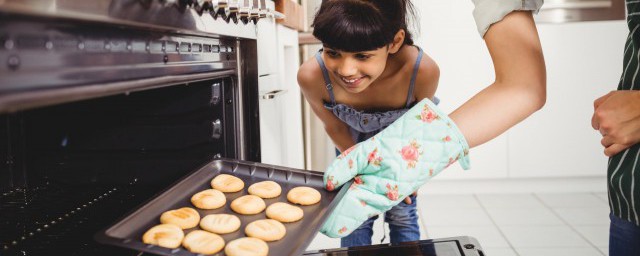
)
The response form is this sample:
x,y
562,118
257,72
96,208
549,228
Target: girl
x,y
369,73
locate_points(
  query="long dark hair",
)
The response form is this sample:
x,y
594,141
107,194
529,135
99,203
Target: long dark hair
x,y
362,25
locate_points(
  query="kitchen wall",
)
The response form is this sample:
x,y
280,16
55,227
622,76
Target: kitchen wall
x,y
584,61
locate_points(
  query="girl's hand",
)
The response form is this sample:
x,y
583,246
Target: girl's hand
x,y
407,200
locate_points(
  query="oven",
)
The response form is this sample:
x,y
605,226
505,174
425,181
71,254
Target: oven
x,y
104,103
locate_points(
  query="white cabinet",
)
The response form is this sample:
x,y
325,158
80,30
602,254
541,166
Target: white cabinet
x,y
280,100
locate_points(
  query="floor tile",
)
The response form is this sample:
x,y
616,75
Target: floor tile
x,y
380,230
455,217
536,237
423,231
486,236
523,217
604,250
584,216
498,251
597,235
509,201
571,200
447,201
558,251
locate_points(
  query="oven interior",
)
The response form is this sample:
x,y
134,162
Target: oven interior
x,y
72,169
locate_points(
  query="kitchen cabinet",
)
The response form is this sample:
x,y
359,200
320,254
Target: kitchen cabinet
x,y
280,100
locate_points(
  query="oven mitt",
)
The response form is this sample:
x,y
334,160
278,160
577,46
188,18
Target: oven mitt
x,y
391,165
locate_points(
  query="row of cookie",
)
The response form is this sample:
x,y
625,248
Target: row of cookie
x,y
203,242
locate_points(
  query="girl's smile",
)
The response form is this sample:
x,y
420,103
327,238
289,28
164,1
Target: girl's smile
x,y
352,83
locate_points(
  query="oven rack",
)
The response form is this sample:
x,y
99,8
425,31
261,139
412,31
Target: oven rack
x,y
60,219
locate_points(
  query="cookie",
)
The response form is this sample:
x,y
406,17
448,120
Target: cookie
x,y
209,199
284,212
220,223
184,217
267,230
303,196
227,183
203,242
165,235
265,189
247,246
248,204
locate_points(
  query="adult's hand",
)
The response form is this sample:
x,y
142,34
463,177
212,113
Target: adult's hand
x,y
617,116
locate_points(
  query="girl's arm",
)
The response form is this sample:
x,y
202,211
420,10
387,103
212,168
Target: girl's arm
x,y
520,85
337,130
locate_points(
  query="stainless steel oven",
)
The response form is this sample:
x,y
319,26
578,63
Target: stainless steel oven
x,y
104,103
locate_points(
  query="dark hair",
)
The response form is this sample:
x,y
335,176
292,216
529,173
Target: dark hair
x,y
362,25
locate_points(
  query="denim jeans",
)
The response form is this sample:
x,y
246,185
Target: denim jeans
x,y
403,225
624,238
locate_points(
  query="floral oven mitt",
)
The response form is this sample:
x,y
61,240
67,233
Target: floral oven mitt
x,y
392,165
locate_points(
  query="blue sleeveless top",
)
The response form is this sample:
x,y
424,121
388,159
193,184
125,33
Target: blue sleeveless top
x,y
364,125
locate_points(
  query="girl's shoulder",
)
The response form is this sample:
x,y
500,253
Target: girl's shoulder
x,y
310,78
427,77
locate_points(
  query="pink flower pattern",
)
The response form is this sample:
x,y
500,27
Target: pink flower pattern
x,y
411,153
346,152
356,182
427,115
451,161
392,192
373,158
330,185
350,163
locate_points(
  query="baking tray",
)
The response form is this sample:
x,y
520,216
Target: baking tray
x,y
128,231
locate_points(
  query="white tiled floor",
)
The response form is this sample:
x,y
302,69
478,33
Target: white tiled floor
x,y
513,224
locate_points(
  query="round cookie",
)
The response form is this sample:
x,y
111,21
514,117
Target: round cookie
x,y
268,230
303,196
284,212
227,183
165,235
248,204
247,246
265,189
220,223
209,199
203,242
184,217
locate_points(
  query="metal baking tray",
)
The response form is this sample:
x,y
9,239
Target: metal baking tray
x,y
128,231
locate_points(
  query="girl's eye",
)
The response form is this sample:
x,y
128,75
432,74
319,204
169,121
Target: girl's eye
x,y
362,56
331,53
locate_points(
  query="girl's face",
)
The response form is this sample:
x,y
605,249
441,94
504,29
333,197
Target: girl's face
x,y
355,71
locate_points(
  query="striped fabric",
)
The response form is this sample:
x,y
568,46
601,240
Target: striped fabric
x,y
622,175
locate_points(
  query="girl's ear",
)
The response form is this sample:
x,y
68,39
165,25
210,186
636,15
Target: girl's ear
x,y
398,40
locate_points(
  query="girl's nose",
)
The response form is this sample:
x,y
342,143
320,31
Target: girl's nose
x,y
347,69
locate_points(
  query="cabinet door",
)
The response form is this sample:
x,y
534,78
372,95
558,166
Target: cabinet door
x,y
267,49
271,122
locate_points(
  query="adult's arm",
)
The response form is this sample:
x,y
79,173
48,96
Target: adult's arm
x,y
520,80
